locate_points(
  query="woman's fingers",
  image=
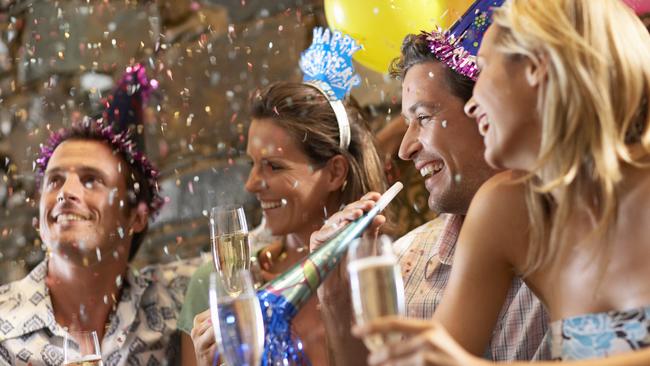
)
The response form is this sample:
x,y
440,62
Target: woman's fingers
x,y
374,196
269,255
375,225
268,276
350,212
205,341
202,333
355,209
339,220
331,227
428,344
201,322
391,324
201,317
399,352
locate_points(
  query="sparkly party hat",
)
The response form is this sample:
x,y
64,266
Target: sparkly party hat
x,y
125,107
327,66
457,47
120,127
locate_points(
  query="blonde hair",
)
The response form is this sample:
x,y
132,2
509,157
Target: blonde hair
x,y
593,104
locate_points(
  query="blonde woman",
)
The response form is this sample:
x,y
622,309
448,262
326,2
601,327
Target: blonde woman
x,y
563,96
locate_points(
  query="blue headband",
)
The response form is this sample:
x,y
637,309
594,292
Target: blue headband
x,y
327,66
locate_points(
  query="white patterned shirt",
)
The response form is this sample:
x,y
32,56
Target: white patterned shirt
x,y
141,330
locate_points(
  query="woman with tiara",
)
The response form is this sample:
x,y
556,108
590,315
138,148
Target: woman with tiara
x,y
562,96
310,153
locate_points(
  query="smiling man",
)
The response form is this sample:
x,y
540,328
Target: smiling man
x,y
97,192
446,147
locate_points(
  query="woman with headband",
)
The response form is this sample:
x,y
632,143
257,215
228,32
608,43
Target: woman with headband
x,y
563,96
310,154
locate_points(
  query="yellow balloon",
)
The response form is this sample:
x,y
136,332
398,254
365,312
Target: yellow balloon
x,y
381,25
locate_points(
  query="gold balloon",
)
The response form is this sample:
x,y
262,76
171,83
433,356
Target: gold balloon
x,y
381,25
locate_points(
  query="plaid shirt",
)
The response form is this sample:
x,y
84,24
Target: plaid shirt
x,y
426,256
140,331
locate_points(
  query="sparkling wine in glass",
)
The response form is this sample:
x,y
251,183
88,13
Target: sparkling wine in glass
x,y
376,285
81,348
237,318
231,250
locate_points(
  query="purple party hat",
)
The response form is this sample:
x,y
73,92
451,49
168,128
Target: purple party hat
x,y
457,47
119,129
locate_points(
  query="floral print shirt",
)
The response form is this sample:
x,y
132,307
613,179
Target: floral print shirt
x,y
600,335
140,331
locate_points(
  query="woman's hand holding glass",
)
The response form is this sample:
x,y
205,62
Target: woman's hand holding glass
x,y
205,346
425,342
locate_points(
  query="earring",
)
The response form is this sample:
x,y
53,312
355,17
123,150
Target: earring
x,y
345,184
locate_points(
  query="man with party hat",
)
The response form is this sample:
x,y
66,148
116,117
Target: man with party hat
x,y
438,71
97,193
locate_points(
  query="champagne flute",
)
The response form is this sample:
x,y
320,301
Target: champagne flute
x,y
81,348
376,285
231,250
237,318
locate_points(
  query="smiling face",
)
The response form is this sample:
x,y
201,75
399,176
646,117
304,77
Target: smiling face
x,y
291,190
83,204
504,105
441,140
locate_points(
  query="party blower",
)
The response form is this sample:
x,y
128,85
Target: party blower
x,y
284,296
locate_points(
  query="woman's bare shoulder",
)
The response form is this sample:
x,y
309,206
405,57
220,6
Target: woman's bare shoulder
x,y
498,218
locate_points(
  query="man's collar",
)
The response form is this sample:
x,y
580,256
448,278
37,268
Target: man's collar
x,y
27,306
447,241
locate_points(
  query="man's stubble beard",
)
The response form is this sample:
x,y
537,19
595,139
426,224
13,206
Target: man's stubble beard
x,y
457,198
